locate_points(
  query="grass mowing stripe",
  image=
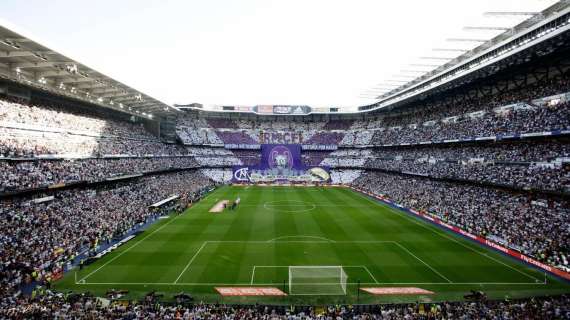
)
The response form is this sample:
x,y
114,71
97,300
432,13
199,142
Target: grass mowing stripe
x,y
300,236
445,235
196,284
129,248
432,268
370,273
480,252
272,237
190,262
342,226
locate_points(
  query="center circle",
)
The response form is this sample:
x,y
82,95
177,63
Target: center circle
x,y
289,206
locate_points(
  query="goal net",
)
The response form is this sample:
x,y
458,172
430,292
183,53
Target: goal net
x,y
317,280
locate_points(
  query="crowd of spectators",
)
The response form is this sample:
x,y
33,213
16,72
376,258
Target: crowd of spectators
x,y
521,176
536,119
221,123
314,158
248,157
341,125
541,165
17,143
40,234
471,119
206,151
216,131
207,136
348,158
280,125
325,138
357,137
219,175
198,136
51,116
534,225
344,176
31,174
59,306
436,110
236,137
191,122
32,154
513,112
514,152
218,161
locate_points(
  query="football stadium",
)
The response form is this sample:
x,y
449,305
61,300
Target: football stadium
x,y
441,193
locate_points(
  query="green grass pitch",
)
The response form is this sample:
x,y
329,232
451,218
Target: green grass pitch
x,y
277,227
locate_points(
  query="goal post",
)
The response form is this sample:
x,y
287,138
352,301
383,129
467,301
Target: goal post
x,y
317,280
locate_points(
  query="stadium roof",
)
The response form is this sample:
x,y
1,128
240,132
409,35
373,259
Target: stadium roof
x,y
536,29
27,61
525,36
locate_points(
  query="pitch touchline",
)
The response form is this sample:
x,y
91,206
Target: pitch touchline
x,y
129,248
405,215
413,255
484,254
325,240
280,283
190,262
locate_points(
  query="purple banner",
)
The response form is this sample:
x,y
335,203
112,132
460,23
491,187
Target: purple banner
x,y
280,137
280,163
281,156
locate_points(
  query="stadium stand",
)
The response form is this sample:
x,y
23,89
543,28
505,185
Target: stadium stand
x,y
496,164
414,175
534,225
50,305
40,237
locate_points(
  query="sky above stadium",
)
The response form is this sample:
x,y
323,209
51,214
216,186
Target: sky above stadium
x,y
249,52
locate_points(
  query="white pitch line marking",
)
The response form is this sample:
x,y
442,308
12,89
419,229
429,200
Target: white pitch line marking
x,y
370,273
423,225
300,241
277,283
317,205
300,236
129,248
317,266
190,262
253,274
283,266
484,254
432,268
